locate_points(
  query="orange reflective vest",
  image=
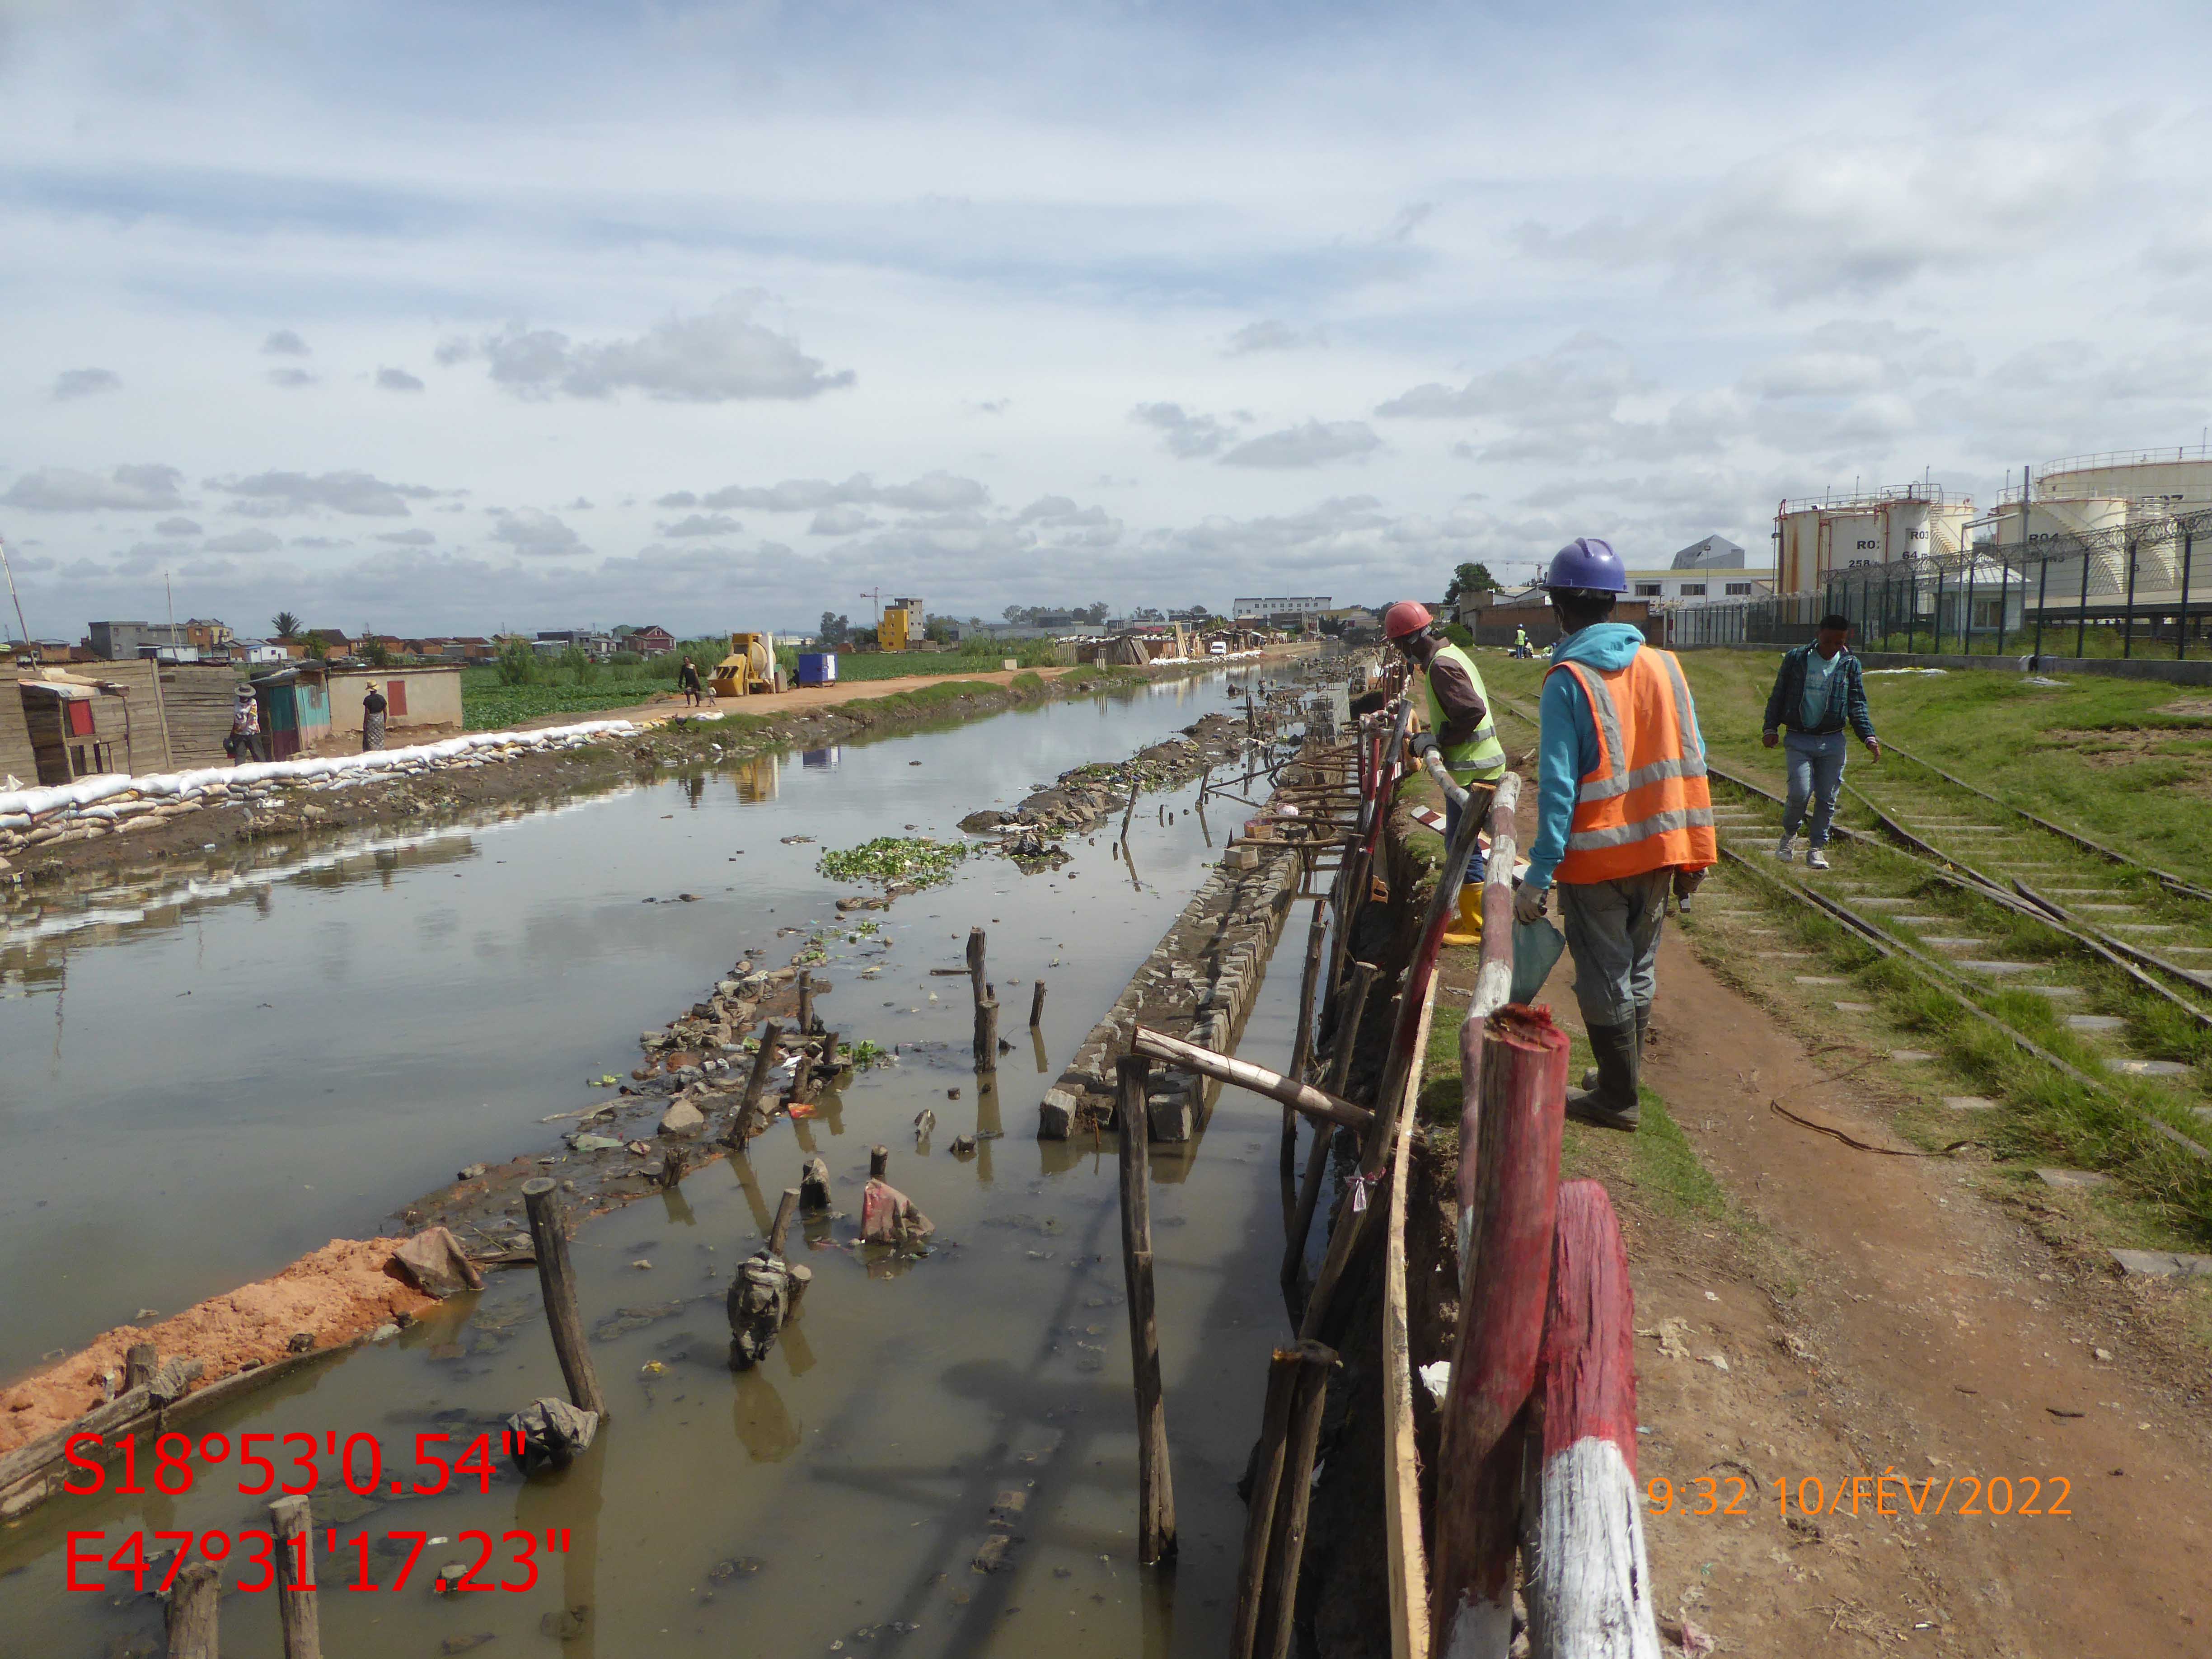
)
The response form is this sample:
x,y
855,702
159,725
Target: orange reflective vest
x,y
1645,805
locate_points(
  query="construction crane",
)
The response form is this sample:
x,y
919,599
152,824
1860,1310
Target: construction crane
x,y
876,595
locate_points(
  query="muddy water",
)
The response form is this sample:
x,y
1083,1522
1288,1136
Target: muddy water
x,y
838,1494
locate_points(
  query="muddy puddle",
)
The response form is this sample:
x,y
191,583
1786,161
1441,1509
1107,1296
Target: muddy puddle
x,y
355,1032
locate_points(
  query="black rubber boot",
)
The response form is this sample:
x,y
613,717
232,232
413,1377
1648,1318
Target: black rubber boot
x,y
1611,1103
1643,1032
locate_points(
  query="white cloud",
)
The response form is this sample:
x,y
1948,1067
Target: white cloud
x,y
1316,443
1186,433
292,378
73,383
533,530
397,379
416,537
250,540
66,489
284,343
269,494
1269,335
703,524
933,492
720,355
178,527
840,520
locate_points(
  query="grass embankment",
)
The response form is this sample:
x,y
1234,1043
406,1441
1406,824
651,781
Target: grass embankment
x,y
2104,757
493,696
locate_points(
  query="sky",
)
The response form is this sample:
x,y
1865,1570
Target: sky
x,y
463,316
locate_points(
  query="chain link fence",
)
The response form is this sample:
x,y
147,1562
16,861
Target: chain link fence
x,y
2140,590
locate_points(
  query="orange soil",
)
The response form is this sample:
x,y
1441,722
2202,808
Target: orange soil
x,y
340,1292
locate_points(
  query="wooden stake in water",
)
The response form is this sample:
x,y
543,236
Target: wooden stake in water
x,y
557,1280
192,1608
1156,1522
289,1520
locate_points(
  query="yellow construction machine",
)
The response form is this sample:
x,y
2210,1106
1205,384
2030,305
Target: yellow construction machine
x,y
750,669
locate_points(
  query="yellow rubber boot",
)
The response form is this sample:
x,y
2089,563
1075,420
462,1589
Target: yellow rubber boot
x,y
1468,929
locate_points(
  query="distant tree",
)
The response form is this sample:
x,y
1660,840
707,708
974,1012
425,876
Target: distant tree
x,y
940,629
1471,579
1094,614
517,663
1020,614
317,646
374,651
286,624
833,630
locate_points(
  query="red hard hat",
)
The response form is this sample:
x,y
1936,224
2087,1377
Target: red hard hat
x,y
1405,617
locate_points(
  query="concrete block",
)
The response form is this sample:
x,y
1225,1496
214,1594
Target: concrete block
x,y
1056,1116
1970,1103
2146,1067
2163,1264
1911,1056
2068,1181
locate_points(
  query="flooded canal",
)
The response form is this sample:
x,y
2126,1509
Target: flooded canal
x,y
203,1085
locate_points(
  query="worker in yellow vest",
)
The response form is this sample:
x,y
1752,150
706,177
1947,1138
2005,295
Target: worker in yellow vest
x,y
1623,816
1461,729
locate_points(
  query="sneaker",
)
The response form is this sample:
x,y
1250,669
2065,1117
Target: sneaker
x,y
1815,858
1782,848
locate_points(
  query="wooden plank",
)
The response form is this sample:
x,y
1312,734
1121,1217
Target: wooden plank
x,y
1402,1475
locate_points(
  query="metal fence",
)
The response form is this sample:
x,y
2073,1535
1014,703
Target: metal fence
x,y
2137,590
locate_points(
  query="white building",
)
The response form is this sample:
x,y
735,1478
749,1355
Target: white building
x,y
1706,571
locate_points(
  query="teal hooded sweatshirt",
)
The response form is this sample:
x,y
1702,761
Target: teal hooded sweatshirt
x,y
1567,747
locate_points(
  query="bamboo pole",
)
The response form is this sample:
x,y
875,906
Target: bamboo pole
x,y
1301,1052
194,1601
295,1551
557,1280
1286,1541
1225,1069
1155,1519
1522,1108
1037,1004
779,1233
1402,1475
1266,1484
1293,1276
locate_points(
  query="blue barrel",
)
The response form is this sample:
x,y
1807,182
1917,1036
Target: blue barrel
x,y
817,668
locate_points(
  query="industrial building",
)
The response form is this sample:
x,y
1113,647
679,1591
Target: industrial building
x,y
1281,612
1704,573
1816,539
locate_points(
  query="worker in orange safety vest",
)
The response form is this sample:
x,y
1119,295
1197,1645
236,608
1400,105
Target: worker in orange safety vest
x,y
1624,817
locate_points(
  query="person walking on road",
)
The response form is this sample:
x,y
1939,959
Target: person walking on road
x,y
1462,732
1817,692
687,680
1624,815
373,709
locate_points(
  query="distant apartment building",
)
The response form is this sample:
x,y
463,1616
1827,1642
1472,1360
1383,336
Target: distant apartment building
x,y
127,641
648,641
1268,609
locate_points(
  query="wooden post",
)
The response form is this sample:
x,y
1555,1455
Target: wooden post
x,y
778,1234
1286,1539
1266,1484
1521,1110
139,1364
741,1125
1293,1276
558,1282
1301,1052
1589,1586
193,1602
976,977
1037,1004
826,1068
295,1578
1225,1068
805,1003
802,1075
987,1034
801,1277
1156,1522
1130,811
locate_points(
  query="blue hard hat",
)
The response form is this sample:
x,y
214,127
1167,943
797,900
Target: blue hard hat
x,y
1587,563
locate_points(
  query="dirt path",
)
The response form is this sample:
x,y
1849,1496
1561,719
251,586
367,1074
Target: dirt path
x,y
1879,1317
665,705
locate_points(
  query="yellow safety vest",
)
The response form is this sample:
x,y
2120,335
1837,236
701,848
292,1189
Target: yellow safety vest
x,y
1481,757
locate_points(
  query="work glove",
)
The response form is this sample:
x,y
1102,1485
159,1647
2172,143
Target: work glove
x,y
1688,882
1422,743
1528,904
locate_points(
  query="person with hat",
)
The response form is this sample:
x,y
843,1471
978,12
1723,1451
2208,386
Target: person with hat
x,y
1462,731
244,744
1623,816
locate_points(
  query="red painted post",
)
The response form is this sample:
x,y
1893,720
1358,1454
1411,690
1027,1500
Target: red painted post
x,y
1522,1111
1589,1594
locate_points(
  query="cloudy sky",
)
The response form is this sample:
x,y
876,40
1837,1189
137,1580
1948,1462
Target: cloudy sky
x,y
479,314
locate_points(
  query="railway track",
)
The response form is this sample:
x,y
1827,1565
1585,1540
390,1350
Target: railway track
x,y
2025,923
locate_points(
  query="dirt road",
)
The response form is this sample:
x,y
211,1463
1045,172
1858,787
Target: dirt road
x,y
1849,1321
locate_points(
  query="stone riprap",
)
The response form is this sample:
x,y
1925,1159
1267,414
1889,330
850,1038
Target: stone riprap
x,y
1198,984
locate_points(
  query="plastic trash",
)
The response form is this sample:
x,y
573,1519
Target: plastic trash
x,y
1536,947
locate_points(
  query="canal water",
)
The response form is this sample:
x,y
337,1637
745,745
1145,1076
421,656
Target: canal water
x,y
210,1076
